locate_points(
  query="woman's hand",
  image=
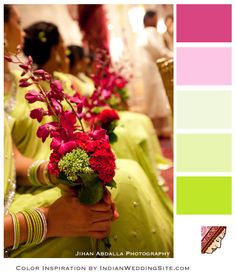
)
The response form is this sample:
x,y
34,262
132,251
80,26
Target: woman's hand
x,y
108,199
67,217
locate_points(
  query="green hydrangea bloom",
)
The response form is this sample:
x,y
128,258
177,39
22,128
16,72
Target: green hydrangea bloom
x,y
75,163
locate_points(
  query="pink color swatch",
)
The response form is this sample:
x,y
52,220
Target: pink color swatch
x,y
204,23
204,66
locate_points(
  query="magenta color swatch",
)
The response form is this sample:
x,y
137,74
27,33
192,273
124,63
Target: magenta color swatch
x,y
204,66
204,23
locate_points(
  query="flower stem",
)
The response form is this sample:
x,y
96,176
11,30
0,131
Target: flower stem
x,y
39,86
81,124
45,96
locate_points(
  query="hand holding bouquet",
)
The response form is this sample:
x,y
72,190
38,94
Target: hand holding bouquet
x,y
82,160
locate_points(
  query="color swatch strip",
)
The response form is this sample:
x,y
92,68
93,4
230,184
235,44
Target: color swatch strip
x,y
204,153
204,109
204,66
204,195
201,106
204,23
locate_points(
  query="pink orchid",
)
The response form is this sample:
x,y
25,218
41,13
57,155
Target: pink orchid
x,y
25,67
56,106
75,98
68,120
43,75
44,130
8,59
120,82
56,90
67,147
55,144
106,93
32,96
98,134
38,114
24,84
29,60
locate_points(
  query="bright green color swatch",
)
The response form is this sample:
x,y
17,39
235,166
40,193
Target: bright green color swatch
x,y
204,152
204,195
204,109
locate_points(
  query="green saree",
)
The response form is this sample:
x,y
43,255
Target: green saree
x,y
145,223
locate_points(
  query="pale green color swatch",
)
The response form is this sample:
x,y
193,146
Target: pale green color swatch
x,y
204,109
204,152
204,195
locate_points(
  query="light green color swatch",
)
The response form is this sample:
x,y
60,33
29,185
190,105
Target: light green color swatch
x,y
204,109
204,195
204,152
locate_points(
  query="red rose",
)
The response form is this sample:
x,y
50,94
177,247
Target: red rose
x,y
106,117
103,163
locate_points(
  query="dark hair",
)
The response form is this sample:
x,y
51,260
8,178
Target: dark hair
x,y
7,12
40,37
149,14
76,53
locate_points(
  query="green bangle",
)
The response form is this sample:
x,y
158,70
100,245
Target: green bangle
x,y
37,226
32,173
29,228
44,222
46,175
16,231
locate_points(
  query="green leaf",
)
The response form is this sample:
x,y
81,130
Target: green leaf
x,y
89,178
91,194
124,94
113,125
113,101
97,110
112,184
112,137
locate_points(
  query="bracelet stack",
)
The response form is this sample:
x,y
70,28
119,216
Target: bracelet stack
x,y
32,174
36,227
46,176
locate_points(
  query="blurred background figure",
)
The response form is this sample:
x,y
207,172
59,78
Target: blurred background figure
x,y
92,22
168,35
152,48
78,60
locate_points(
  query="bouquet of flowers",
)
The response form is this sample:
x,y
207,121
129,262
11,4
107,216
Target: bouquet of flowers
x,y
100,115
82,159
108,96
109,82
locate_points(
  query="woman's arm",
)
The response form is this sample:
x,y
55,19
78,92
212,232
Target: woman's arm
x,y
66,217
22,164
9,230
